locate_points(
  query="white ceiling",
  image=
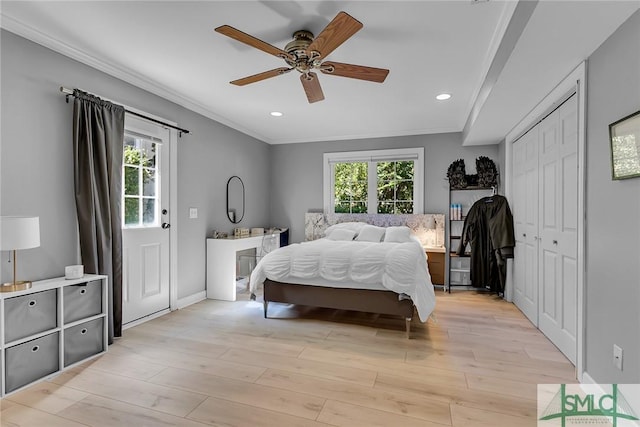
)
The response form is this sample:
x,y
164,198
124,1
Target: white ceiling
x,y
430,47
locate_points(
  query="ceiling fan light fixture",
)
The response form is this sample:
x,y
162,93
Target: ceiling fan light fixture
x,y
443,96
276,114
306,54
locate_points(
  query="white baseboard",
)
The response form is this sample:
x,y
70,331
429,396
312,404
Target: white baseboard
x,y
586,379
191,299
182,303
145,319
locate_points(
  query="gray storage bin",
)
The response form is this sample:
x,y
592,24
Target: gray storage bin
x,y
30,314
31,361
83,340
82,301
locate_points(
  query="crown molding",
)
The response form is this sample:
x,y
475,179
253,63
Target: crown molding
x,y
390,134
28,32
498,34
515,20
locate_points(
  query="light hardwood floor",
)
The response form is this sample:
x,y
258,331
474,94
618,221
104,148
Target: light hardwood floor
x,y
220,363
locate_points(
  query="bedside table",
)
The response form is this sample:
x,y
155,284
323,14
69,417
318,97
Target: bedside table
x,y
435,261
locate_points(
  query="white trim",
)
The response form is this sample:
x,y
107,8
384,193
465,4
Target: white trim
x,y
28,32
191,299
173,220
590,384
586,379
172,145
508,10
18,27
145,319
381,134
416,154
577,80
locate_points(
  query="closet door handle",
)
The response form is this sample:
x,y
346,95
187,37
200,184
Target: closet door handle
x,y
524,234
555,242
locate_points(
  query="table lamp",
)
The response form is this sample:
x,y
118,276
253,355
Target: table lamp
x,y
18,232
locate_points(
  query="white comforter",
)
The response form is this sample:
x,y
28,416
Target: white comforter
x,y
399,267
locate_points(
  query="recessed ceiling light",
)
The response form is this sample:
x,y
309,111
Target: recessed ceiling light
x,y
276,114
443,96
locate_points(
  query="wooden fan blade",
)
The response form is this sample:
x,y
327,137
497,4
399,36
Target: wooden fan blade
x,y
252,41
334,34
355,71
312,87
261,76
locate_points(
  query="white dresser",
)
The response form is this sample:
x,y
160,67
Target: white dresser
x,y
221,261
51,327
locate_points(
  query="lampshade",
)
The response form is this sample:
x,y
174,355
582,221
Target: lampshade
x,y
19,232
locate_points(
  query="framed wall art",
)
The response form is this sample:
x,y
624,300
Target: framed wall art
x,y
625,147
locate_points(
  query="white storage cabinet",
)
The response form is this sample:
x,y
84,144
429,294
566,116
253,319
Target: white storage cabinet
x,y
53,326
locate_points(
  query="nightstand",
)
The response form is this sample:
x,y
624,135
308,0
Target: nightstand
x,y
435,261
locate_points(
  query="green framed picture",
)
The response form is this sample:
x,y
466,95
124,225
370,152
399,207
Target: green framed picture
x,y
625,147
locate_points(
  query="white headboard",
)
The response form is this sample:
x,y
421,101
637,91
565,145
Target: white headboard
x,y
429,228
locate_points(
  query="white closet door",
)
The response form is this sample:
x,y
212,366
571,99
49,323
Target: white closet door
x,y
525,213
558,189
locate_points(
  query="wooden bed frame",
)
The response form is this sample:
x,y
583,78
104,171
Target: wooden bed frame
x,y
366,300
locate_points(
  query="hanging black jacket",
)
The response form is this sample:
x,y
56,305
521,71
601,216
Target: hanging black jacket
x,y
488,229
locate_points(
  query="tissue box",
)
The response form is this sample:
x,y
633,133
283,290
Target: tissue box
x,y
73,272
241,232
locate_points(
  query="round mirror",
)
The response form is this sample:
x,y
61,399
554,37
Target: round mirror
x,y
235,199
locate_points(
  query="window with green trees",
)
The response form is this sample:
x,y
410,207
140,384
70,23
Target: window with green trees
x,y
382,181
351,187
140,195
395,187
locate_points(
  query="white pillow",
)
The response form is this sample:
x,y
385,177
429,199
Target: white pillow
x,y
398,234
352,226
341,234
370,233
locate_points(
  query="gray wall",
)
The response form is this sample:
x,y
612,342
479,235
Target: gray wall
x,y
613,212
296,172
36,168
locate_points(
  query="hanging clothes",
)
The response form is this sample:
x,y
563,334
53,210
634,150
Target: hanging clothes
x,y
488,230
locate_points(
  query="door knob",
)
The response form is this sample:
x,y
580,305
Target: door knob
x,y
164,211
166,225
555,242
524,234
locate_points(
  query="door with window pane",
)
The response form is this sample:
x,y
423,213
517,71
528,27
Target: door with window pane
x,y
145,199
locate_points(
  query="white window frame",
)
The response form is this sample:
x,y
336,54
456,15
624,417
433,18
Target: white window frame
x,y
157,169
398,154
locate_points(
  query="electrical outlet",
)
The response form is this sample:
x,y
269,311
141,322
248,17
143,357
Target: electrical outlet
x,y
193,213
617,357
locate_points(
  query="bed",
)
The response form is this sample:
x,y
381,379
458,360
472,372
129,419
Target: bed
x,y
354,266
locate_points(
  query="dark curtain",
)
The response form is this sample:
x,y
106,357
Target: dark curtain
x,y
98,133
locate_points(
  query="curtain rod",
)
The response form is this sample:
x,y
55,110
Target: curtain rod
x,y
69,92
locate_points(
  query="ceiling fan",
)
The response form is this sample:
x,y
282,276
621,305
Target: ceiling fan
x,y
306,54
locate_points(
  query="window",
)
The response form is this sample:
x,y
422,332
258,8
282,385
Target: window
x,y
350,187
381,181
141,198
